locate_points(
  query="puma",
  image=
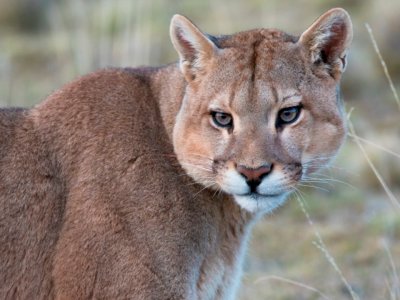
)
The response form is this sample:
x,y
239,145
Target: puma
x,y
144,183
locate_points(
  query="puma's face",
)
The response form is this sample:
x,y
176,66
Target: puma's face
x,y
261,109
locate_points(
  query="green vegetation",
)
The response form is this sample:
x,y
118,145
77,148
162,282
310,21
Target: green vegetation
x,y
44,44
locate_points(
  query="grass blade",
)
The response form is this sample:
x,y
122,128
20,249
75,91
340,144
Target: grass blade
x,y
385,69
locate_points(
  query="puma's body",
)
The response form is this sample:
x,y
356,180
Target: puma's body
x,y
99,207
94,202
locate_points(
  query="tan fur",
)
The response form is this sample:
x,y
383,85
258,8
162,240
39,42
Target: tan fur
x,y
94,200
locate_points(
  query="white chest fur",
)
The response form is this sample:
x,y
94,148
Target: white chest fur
x,y
221,272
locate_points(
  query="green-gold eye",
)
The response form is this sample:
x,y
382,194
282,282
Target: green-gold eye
x,y
222,119
288,115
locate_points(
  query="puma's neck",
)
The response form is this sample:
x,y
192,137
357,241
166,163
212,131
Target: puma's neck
x,y
168,86
220,269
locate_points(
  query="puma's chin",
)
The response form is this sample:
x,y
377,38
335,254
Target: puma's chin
x,y
257,203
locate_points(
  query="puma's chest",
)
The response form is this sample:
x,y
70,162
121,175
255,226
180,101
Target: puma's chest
x,y
220,272
218,281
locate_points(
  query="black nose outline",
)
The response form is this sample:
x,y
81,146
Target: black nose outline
x,y
253,184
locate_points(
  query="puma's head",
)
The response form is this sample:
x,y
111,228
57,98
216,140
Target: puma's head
x,y
261,109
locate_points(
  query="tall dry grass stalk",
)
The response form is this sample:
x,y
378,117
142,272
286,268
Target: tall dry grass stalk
x,y
320,245
358,139
371,143
385,69
384,185
394,285
292,282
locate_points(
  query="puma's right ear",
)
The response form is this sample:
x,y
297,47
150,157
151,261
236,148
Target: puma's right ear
x,y
195,49
328,39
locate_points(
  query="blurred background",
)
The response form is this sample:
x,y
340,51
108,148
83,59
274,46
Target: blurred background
x,y
46,43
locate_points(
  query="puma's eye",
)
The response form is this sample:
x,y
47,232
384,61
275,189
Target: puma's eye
x,y
222,119
288,115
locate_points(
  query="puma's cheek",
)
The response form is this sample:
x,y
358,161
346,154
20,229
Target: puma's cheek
x,y
325,143
328,138
295,142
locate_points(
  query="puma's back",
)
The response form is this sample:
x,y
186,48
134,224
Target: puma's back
x,y
31,205
144,183
72,170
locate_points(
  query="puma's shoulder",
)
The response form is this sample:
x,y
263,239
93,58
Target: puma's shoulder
x,y
117,102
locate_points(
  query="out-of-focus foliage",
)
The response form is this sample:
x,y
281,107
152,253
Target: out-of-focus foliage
x,y
46,43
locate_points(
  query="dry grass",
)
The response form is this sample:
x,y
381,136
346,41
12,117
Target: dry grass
x,y
383,63
394,287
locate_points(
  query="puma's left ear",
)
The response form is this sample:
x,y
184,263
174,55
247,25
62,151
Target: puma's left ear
x,y
195,49
328,39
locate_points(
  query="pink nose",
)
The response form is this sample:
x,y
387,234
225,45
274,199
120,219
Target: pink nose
x,y
254,174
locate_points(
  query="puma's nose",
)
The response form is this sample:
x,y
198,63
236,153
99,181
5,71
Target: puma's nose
x,y
254,175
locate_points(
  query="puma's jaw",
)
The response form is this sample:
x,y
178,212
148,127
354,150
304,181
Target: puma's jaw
x,y
260,204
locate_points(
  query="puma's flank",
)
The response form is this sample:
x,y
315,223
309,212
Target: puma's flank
x,y
144,183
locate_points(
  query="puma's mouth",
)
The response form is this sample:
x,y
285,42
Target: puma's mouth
x,y
257,195
262,196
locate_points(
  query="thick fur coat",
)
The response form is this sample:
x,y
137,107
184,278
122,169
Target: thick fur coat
x,y
127,183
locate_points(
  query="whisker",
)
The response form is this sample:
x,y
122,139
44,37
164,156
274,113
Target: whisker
x,y
328,180
217,192
313,186
201,156
330,184
206,187
319,158
195,166
208,180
